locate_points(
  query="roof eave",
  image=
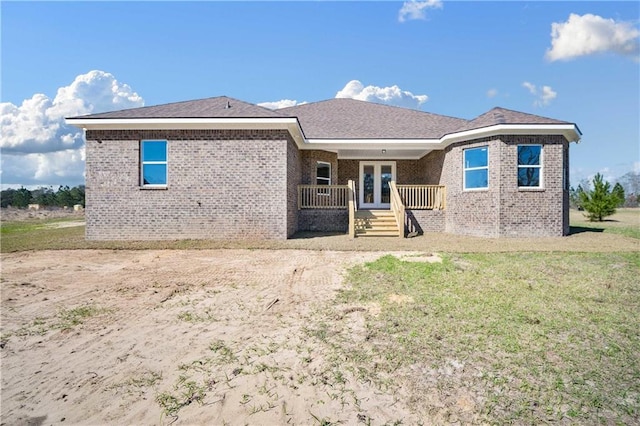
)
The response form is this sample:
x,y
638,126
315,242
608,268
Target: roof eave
x,y
569,130
265,123
183,123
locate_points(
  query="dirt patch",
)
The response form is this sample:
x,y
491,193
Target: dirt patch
x,y
15,214
69,224
400,299
422,258
192,336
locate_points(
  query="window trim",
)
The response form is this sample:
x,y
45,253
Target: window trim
x,y
143,163
539,166
465,169
323,191
323,178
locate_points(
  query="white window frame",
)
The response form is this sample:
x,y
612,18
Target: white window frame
x,y
143,163
528,166
466,169
328,180
323,191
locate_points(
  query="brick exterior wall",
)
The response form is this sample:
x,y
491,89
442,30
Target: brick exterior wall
x,y
242,184
532,212
504,210
222,184
423,221
348,169
309,161
408,172
294,178
430,167
324,220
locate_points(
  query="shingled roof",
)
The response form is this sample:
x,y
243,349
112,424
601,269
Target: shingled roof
x,y
218,107
339,118
506,116
353,119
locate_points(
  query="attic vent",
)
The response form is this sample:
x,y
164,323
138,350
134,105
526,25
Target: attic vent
x,y
499,118
228,105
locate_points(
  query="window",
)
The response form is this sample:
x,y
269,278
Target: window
x,y
323,176
323,173
476,168
153,159
565,165
529,166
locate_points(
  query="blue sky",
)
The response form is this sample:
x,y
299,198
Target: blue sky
x,y
452,58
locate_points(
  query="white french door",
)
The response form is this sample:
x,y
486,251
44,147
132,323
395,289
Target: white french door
x,y
375,176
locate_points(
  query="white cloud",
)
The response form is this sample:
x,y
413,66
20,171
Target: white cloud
x,y
548,94
543,96
283,103
44,169
530,87
590,34
37,125
417,9
392,95
38,147
492,93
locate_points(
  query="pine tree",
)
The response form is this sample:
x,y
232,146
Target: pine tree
x,y
600,202
618,191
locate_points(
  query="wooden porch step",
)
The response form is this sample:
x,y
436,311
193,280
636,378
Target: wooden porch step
x,y
377,233
375,223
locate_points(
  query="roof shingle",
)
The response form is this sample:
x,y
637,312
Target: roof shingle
x,y
352,119
499,115
218,107
339,118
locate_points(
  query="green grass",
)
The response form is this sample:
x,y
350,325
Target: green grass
x,y
532,338
65,319
626,221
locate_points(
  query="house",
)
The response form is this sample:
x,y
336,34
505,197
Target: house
x,y
224,168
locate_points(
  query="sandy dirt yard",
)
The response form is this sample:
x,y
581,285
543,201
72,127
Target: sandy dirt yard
x,y
189,337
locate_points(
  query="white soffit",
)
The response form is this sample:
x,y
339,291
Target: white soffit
x,y
378,154
569,131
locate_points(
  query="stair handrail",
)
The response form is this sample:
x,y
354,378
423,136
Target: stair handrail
x,y
352,208
397,207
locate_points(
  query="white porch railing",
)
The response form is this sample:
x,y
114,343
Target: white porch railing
x,y
323,196
423,197
353,208
397,207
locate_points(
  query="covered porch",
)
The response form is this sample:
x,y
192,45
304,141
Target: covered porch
x,y
401,210
371,193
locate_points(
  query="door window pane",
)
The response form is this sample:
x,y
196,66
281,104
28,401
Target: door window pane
x,y
368,184
385,178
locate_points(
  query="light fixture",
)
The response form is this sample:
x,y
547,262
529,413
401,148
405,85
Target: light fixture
x,y
384,151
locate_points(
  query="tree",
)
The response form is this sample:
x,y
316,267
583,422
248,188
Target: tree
x,y
631,184
6,197
64,197
599,202
22,197
44,196
618,191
